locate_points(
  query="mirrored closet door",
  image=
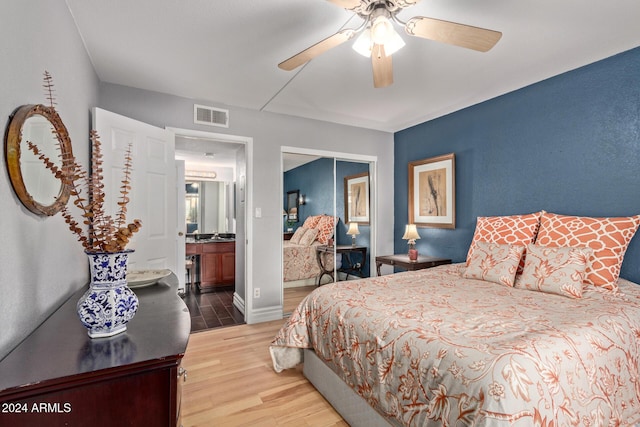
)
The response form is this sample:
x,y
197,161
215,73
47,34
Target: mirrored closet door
x,y
326,225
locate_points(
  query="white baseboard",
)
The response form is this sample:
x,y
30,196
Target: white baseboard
x,y
300,283
264,314
238,302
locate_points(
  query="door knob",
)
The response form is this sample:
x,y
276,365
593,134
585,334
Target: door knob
x,y
180,233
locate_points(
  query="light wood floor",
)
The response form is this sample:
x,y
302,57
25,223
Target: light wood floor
x,y
293,296
231,382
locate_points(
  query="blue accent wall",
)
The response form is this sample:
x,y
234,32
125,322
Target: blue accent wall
x,y
569,145
315,181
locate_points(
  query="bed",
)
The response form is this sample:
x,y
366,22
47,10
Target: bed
x,y
299,261
299,258
445,346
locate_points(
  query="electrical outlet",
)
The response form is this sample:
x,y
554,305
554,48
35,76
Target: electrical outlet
x,y
256,292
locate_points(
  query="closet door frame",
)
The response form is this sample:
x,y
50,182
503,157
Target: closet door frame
x,y
372,161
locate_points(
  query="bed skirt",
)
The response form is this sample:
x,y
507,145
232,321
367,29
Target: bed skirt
x,y
353,408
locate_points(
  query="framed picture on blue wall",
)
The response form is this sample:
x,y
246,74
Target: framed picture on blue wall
x,y
432,192
356,198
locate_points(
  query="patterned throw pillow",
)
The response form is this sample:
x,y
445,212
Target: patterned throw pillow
x,y
297,235
494,262
326,228
312,221
608,237
309,237
506,230
555,270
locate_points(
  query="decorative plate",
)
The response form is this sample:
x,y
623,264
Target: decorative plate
x,y
142,278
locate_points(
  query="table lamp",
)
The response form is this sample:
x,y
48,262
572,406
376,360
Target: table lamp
x,y
352,231
411,235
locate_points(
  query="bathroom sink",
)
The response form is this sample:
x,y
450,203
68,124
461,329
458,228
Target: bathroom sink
x,y
207,237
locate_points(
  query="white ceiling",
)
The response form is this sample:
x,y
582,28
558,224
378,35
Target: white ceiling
x,y
227,51
203,155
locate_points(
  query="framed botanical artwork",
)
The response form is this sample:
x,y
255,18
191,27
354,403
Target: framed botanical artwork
x,y
432,192
356,198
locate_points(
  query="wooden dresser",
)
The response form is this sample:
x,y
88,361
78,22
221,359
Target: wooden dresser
x,y
58,376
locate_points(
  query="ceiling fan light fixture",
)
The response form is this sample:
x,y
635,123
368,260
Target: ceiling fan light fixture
x,y
364,43
378,40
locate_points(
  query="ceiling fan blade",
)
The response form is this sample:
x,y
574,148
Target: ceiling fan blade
x,y
322,46
347,4
382,67
475,38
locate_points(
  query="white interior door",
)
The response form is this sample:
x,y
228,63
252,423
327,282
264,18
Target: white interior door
x,y
181,221
153,194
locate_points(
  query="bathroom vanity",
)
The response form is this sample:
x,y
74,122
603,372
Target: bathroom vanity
x,y
215,261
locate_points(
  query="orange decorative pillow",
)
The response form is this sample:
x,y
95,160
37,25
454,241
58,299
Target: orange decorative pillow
x,y
608,237
555,270
326,228
506,230
312,221
494,262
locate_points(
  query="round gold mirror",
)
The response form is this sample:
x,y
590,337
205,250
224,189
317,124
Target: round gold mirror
x,y
35,185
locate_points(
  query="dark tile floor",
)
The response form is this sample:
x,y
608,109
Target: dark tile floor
x,y
212,309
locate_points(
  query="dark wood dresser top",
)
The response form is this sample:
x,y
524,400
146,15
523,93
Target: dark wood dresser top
x,y
60,350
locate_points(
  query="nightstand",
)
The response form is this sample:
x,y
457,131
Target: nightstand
x,y
350,267
403,261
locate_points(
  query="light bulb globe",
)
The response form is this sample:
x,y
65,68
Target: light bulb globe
x,y
381,30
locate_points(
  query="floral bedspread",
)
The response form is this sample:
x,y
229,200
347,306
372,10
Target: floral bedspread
x,y
429,348
300,261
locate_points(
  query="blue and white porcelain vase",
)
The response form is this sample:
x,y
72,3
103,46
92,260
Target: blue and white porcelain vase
x,y
109,304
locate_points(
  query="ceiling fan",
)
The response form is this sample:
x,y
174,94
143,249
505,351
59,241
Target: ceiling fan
x,y
379,40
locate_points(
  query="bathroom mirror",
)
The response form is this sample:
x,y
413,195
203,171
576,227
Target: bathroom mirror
x,y
209,207
35,185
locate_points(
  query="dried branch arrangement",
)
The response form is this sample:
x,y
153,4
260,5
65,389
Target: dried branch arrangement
x,y
104,233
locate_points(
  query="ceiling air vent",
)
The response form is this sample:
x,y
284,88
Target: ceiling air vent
x,y
204,115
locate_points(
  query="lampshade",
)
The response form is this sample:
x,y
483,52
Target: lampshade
x,y
353,229
363,43
393,44
411,233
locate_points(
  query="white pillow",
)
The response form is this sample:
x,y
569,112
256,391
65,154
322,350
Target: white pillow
x,y
309,237
298,235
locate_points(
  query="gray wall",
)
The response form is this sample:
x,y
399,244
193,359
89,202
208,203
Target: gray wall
x,y
41,264
269,132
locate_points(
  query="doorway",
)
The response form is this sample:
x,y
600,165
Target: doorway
x,y
216,170
320,179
